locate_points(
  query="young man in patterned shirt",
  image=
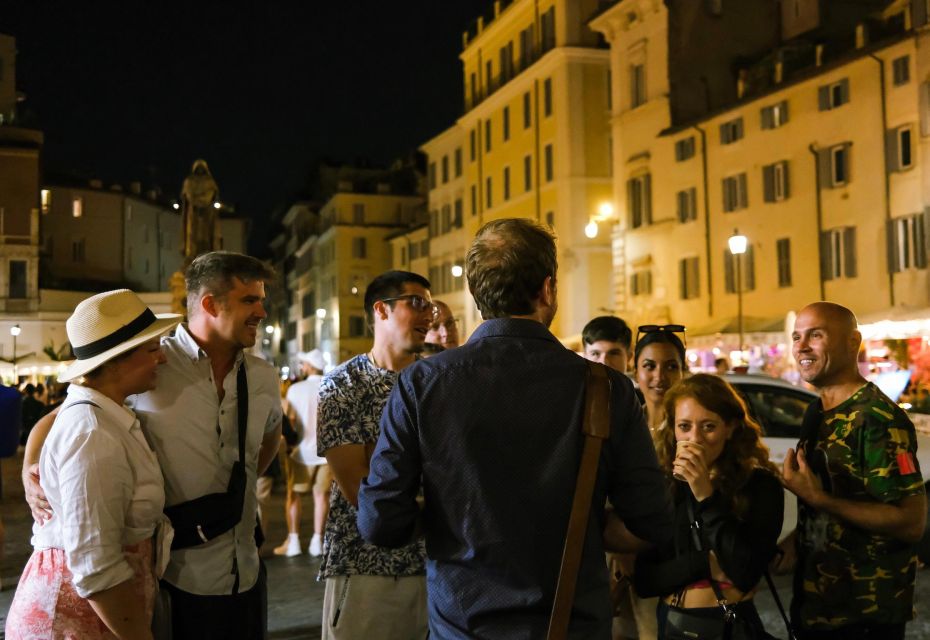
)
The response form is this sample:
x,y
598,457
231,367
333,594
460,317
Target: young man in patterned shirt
x,y
861,500
371,592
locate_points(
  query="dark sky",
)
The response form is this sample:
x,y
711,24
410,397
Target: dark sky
x,y
137,90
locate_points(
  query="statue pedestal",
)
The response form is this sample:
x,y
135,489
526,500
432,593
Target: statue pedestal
x,y
178,293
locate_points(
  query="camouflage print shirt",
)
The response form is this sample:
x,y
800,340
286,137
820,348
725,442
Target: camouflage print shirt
x,y
863,450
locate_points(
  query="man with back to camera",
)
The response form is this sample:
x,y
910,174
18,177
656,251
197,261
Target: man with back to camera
x,y
371,591
861,500
191,421
493,428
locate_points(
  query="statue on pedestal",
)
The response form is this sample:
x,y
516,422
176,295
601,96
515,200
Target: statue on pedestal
x,y
199,225
198,194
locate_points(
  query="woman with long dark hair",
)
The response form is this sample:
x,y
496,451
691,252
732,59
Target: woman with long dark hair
x,y
728,503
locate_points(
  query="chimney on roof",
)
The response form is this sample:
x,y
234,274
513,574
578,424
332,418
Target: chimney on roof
x,y
818,55
741,83
384,187
135,187
862,35
95,183
152,194
116,187
497,8
779,71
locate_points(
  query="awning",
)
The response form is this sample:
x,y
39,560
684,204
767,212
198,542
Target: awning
x,y
896,323
755,331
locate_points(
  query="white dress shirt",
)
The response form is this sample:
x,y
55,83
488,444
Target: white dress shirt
x,y
104,485
196,438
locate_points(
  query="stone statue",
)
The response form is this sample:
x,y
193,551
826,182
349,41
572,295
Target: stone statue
x,y
198,194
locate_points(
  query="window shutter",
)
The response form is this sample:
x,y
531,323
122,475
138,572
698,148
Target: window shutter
x,y
847,161
692,203
924,98
725,184
891,237
826,255
891,150
629,204
783,106
844,89
919,12
920,246
768,183
768,122
823,98
648,284
749,267
743,192
647,199
682,277
739,129
849,252
785,178
728,274
681,206
724,134
824,168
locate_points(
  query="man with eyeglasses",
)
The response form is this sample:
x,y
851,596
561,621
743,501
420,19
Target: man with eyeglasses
x,y
371,592
492,431
444,332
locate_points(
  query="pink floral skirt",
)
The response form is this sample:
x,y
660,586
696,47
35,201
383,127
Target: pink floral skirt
x,y
46,606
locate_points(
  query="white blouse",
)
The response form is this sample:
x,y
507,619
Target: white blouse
x,y
105,488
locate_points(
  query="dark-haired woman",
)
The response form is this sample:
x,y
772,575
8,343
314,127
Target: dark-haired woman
x,y
659,362
728,499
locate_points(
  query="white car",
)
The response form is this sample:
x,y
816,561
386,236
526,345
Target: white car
x,y
779,408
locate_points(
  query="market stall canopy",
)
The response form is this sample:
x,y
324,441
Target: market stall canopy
x,y
755,329
896,323
38,364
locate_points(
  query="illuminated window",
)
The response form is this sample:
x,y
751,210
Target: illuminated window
x,y
46,200
77,207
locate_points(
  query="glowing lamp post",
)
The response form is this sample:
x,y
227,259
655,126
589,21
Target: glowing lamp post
x,y
15,331
738,244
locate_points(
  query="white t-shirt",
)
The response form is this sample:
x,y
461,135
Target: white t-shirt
x,y
303,396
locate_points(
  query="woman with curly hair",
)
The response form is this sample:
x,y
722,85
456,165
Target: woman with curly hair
x,y
728,504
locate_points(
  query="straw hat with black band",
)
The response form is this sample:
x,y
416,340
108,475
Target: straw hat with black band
x,y
108,324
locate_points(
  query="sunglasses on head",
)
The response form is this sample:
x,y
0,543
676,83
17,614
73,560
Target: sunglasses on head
x,y
661,328
417,303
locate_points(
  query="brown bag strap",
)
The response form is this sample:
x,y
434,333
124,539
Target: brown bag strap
x,y
596,428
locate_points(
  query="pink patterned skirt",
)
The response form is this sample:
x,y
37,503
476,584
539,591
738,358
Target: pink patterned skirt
x,y
46,606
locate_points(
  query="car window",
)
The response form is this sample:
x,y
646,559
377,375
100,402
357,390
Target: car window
x,y
778,410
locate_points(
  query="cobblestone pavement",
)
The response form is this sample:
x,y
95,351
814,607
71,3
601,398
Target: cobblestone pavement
x,y
295,598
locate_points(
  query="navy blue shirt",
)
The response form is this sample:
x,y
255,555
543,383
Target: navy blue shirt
x,y
492,429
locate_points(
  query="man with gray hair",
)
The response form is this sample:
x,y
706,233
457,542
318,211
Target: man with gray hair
x,y
192,421
492,429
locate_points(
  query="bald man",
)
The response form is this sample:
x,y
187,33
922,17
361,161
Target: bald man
x,y
861,500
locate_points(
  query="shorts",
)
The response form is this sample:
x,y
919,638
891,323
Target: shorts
x,y
300,477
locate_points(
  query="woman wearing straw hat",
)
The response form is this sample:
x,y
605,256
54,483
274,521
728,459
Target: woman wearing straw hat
x,y
93,571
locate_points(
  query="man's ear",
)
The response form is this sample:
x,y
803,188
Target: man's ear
x,y
378,310
547,294
210,305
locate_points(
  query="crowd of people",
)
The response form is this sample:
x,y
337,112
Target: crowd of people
x,y
443,476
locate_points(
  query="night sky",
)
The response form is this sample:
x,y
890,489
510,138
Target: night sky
x,y
137,90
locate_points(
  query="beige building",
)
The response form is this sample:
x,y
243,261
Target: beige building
x,y
816,160
533,142
437,250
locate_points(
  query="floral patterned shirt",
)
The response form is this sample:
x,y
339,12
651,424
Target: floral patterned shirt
x,y
352,398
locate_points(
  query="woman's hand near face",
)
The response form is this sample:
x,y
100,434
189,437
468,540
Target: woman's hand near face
x,y
691,465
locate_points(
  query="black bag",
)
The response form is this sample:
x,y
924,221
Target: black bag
x,y
721,623
200,520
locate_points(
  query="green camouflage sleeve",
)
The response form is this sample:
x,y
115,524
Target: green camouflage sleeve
x,y
889,452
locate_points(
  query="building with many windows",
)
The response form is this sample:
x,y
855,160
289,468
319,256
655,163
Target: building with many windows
x,y
533,142
814,156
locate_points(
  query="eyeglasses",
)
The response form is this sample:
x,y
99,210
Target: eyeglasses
x,y
417,303
661,328
448,323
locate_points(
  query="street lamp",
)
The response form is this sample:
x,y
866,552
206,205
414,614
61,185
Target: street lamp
x,y
605,211
15,331
737,244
